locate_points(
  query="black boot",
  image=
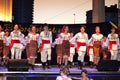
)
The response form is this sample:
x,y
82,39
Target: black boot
x,y
79,65
48,64
91,64
32,66
59,65
44,65
70,64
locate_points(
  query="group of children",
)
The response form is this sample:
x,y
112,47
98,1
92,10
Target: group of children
x,y
64,72
66,43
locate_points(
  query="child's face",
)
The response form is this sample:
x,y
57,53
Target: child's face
x,y
61,73
7,33
104,38
82,29
84,74
71,34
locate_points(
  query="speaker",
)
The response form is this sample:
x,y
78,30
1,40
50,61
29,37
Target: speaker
x,y
18,65
108,65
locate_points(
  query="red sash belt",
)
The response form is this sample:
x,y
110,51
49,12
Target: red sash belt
x,y
89,47
44,42
71,45
97,42
14,41
65,40
80,44
111,43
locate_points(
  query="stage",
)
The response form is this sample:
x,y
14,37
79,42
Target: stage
x,y
51,74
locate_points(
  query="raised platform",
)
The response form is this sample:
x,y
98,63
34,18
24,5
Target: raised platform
x,y
51,74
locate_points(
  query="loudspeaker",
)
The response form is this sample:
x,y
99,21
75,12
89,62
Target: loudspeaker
x,y
108,65
18,65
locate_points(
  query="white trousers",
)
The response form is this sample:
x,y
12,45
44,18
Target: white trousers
x,y
71,57
72,52
81,55
91,55
114,54
45,54
16,51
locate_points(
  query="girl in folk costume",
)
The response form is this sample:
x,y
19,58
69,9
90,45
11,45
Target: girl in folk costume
x,y
63,74
105,53
58,43
113,42
45,41
6,50
27,48
16,46
65,36
81,39
97,44
1,42
33,45
90,53
72,50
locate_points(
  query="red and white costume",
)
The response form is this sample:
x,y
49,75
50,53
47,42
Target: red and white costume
x,y
58,42
16,46
90,51
82,39
113,42
1,43
72,50
45,41
6,50
32,40
65,44
97,42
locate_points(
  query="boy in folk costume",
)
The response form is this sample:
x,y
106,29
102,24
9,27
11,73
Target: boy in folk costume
x,y
97,44
58,43
82,39
1,42
65,36
33,46
45,41
16,46
113,42
90,53
6,49
72,50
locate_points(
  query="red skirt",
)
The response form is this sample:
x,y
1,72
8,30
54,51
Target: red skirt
x,y
6,51
1,47
59,49
66,48
33,48
27,50
97,48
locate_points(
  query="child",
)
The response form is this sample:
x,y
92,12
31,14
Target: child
x,y
81,39
6,49
58,43
91,54
84,75
63,74
72,50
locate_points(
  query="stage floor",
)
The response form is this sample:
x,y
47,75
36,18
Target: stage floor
x,y
51,74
